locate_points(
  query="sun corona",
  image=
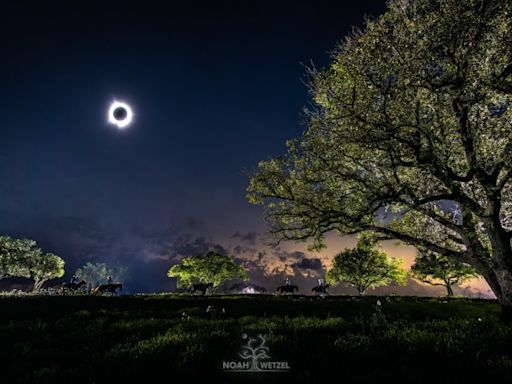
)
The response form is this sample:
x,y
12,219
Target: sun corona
x,y
120,114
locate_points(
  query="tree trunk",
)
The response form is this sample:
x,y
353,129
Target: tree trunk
x,y
499,277
497,270
449,289
501,265
504,276
38,285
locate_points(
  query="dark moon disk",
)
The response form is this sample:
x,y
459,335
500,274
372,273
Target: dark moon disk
x,y
120,113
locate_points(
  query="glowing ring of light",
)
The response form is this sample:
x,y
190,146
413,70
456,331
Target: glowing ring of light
x,y
120,123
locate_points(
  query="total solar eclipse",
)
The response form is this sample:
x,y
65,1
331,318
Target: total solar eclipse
x,y
120,114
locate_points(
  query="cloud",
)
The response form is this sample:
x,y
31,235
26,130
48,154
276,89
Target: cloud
x,y
250,237
277,261
189,245
193,224
173,244
148,253
309,263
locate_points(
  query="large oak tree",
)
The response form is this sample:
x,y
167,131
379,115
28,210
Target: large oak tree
x,y
409,136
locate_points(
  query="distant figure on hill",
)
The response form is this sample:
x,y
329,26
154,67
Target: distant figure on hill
x,y
321,288
73,286
287,288
107,288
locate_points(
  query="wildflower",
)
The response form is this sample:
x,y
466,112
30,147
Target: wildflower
x,y
379,303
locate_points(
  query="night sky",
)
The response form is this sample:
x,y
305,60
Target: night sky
x,y
215,87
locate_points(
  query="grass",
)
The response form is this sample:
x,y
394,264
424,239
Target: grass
x,y
161,338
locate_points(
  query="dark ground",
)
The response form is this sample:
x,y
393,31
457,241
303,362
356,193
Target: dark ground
x,y
168,338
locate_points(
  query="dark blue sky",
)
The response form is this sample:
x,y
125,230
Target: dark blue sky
x,y
215,87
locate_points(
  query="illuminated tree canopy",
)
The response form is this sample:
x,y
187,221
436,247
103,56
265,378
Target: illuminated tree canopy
x,y
409,136
14,256
22,258
211,267
45,267
366,267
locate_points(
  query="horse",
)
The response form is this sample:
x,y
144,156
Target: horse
x,y
110,288
287,289
201,287
321,289
72,286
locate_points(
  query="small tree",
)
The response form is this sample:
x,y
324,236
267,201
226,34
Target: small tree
x,y
365,267
44,267
211,267
14,256
97,273
436,269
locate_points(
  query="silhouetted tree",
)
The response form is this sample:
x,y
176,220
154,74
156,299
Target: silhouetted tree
x,y
435,269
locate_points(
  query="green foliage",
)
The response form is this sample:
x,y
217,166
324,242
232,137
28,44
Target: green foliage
x,y
435,269
211,267
45,267
97,273
22,258
409,137
15,255
365,267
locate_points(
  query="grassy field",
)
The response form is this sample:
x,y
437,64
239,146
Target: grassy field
x,y
164,338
